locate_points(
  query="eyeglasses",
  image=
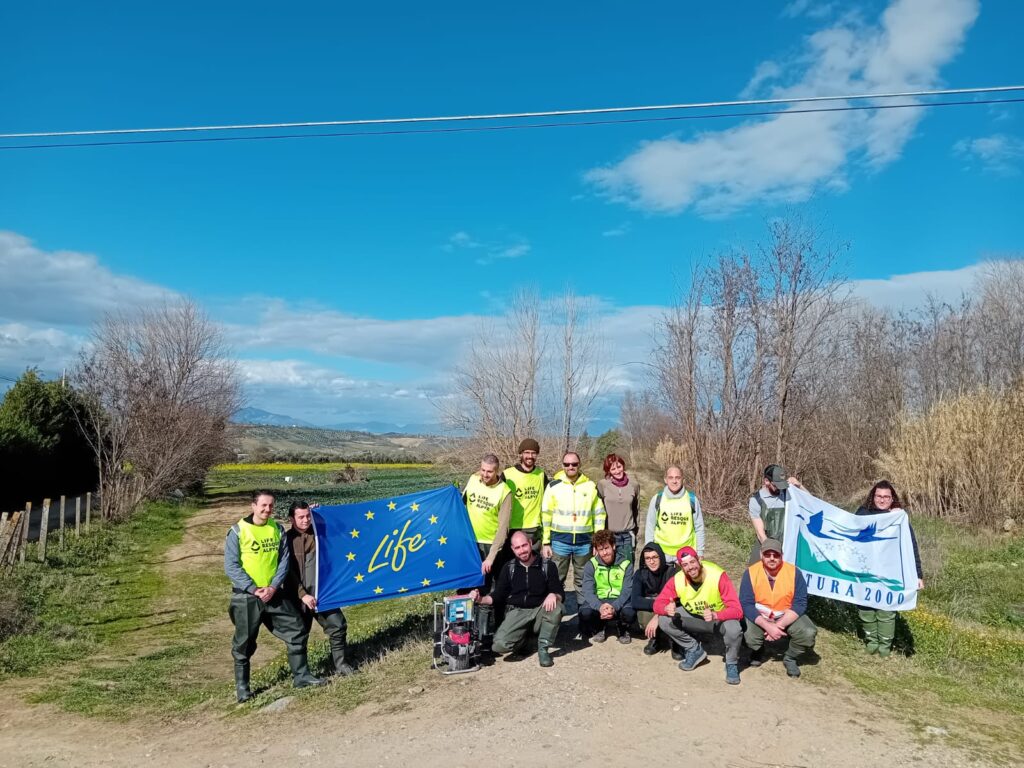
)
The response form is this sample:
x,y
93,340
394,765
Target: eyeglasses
x,y
883,496
570,463
771,555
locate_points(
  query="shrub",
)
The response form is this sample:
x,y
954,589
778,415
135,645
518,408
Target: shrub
x,y
961,458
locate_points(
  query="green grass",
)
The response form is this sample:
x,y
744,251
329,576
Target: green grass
x,y
91,592
316,484
116,636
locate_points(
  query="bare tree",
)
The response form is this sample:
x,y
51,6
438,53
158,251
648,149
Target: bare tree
x,y
581,375
160,388
536,372
805,302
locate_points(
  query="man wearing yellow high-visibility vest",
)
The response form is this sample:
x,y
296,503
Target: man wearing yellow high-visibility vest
x,y
701,599
571,512
256,562
674,517
488,501
527,482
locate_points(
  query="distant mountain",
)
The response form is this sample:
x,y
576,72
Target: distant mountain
x,y
259,416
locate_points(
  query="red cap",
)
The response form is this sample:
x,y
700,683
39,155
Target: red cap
x,y
684,551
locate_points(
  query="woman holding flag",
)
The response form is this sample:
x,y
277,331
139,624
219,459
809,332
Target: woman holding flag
x,y
880,626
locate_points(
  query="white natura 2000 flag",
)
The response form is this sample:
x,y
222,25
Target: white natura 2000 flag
x,y
862,559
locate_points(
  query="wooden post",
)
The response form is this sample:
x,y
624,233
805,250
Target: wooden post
x,y
24,529
9,539
44,526
78,516
88,509
61,525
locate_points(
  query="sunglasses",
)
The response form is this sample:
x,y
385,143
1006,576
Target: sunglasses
x,y
771,555
570,463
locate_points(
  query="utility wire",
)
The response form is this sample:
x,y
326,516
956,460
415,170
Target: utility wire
x,y
522,126
521,115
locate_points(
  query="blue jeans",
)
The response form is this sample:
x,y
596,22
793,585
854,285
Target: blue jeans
x,y
624,545
579,554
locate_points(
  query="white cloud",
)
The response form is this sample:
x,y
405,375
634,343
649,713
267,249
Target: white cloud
x,y
787,158
64,287
999,153
618,231
766,71
487,252
30,345
809,8
912,290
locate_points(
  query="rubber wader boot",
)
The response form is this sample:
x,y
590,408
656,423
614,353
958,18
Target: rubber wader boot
x,y
301,676
886,632
242,692
340,666
869,621
543,656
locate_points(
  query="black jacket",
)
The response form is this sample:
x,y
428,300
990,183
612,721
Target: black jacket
x,y
520,586
647,584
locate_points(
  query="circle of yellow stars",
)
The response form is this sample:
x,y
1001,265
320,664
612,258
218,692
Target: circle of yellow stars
x,y
354,533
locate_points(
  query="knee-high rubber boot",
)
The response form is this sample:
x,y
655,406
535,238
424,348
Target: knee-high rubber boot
x,y
886,632
301,676
869,623
341,667
242,692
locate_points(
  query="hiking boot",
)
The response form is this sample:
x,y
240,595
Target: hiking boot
x,y
693,657
599,637
757,657
624,637
543,656
884,651
732,674
872,646
309,681
652,647
677,653
792,668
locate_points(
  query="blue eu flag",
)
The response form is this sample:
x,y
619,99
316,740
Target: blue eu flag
x,y
407,545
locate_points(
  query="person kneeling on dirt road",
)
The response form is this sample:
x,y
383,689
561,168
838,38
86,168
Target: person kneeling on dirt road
x,y
700,599
648,581
607,591
301,585
774,599
256,562
532,593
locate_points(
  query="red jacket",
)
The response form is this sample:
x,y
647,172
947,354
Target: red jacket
x,y
665,602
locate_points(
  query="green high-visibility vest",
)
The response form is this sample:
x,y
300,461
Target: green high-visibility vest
x,y
527,492
674,526
707,595
483,503
259,546
608,578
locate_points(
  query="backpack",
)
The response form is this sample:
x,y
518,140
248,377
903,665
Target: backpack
x,y
657,501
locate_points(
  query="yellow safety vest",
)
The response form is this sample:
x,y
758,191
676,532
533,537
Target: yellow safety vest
x,y
706,595
483,503
572,508
259,546
608,578
527,489
674,525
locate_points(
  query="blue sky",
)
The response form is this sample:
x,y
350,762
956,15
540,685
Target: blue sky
x,y
350,272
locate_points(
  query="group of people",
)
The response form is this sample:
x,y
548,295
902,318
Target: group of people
x,y
530,528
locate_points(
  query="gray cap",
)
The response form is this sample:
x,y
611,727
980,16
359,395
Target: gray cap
x,y
776,475
771,545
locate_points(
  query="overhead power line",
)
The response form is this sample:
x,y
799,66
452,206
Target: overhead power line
x,y
519,115
518,126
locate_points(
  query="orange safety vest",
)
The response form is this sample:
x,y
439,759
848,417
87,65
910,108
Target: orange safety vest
x,y
777,598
